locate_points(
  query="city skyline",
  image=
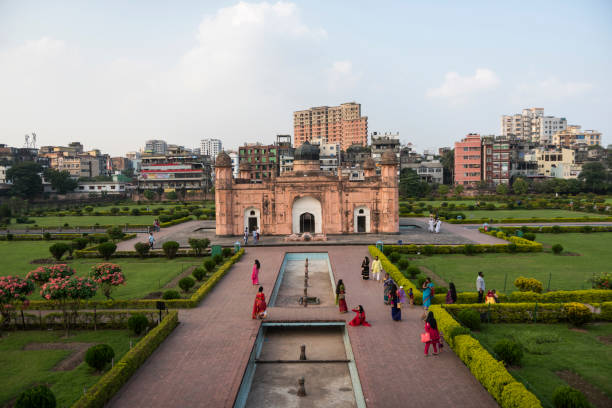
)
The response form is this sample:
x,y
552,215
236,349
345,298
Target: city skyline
x,y
185,74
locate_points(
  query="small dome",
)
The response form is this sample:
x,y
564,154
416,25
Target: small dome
x,y
244,165
223,160
368,164
388,157
306,152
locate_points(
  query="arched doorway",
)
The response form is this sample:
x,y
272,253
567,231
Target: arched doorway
x,y
252,218
307,223
361,219
314,221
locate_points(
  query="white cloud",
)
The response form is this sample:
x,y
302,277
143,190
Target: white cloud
x,y
342,77
549,90
456,88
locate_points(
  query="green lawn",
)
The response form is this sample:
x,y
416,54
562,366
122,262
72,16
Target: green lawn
x,y
142,276
566,272
581,353
22,369
438,203
86,220
499,214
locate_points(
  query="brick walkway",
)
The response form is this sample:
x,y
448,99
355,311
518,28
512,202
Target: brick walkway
x,y
202,362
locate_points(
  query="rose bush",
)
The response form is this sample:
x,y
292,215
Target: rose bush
x,y
68,291
42,274
14,291
107,276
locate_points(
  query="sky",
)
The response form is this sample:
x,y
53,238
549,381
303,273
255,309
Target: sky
x,y
112,74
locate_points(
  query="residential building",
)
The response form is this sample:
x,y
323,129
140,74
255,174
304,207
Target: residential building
x,y
381,143
233,155
532,125
174,172
342,124
355,155
468,170
210,147
429,171
120,163
156,146
134,158
495,160
557,162
96,187
522,160
329,157
573,137
78,163
547,126
263,160
3,169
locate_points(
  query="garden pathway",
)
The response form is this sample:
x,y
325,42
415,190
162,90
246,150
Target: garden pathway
x,y
202,362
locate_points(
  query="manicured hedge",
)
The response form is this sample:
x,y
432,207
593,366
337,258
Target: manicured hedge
x,y
522,245
396,275
17,236
175,222
487,370
557,229
113,380
590,296
92,252
104,319
528,220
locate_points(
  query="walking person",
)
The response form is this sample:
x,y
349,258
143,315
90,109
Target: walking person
x,y
255,273
387,286
151,240
246,236
438,225
255,237
480,287
157,225
376,268
428,293
401,296
431,335
431,224
365,268
259,307
360,317
341,297
451,295
396,311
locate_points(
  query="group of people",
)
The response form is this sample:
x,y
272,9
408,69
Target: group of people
x,y
434,224
490,297
255,234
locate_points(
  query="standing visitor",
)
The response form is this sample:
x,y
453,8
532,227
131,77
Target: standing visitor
x,y
341,296
376,268
255,236
255,274
151,240
396,311
259,307
365,269
402,298
431,223
387,288
246,235
431,335
360,317
428,292
411,296
451,295
480,287
438,225
157,225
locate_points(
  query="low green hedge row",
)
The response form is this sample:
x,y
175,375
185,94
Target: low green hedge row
x,y
39,237
558,228
529,220
193,301
175,222
605,311
522,245
396,275
111,382
92,252
590,296
104,319
491,373
519,312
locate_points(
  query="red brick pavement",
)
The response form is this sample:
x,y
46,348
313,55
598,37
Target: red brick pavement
x,y
202,362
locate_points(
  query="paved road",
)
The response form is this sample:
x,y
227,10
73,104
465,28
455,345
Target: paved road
x,y
202,362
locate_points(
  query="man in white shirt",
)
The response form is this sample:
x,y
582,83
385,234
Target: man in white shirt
x,y
480,287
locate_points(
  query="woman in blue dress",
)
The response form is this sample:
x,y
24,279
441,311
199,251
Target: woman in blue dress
x,y
396,311
428,293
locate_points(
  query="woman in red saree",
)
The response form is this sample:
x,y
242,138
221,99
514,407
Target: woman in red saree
x,y
259,307
360,318
255,274
340,296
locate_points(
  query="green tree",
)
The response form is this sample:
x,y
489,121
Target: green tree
x,y
149,195
595,176
26,179
520,186
502,189
60,180
448,166
410,184
458,189
443,189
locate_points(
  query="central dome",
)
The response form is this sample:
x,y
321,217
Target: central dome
x,y
306,152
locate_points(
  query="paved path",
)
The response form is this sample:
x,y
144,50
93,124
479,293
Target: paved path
x,y
202,362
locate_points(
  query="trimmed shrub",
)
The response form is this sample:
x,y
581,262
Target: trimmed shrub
x,y
142,249
530,236
138,323
115,233
186,284
218,259
458,331
428,250
528,284
101,240
135,211
469,249
209,264
58,250
199,273
171,294
9,237
107,249
114,210
80,243
170,249
394,257
510,352
556,229
198,245
403,264
36,397
557,249
47,236
568,397
99,356
470,318
227,252
413,271
577,313
512,247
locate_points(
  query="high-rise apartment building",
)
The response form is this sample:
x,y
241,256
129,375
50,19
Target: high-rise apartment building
x,y
342,125
496,160
156,147
468,169
547,127
574,137
261,161
210,147
531,125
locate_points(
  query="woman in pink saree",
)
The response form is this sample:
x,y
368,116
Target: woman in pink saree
x,y
255,274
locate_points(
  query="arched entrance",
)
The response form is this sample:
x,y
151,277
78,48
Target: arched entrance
x,y
306,212
361,219
307,223
252,219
